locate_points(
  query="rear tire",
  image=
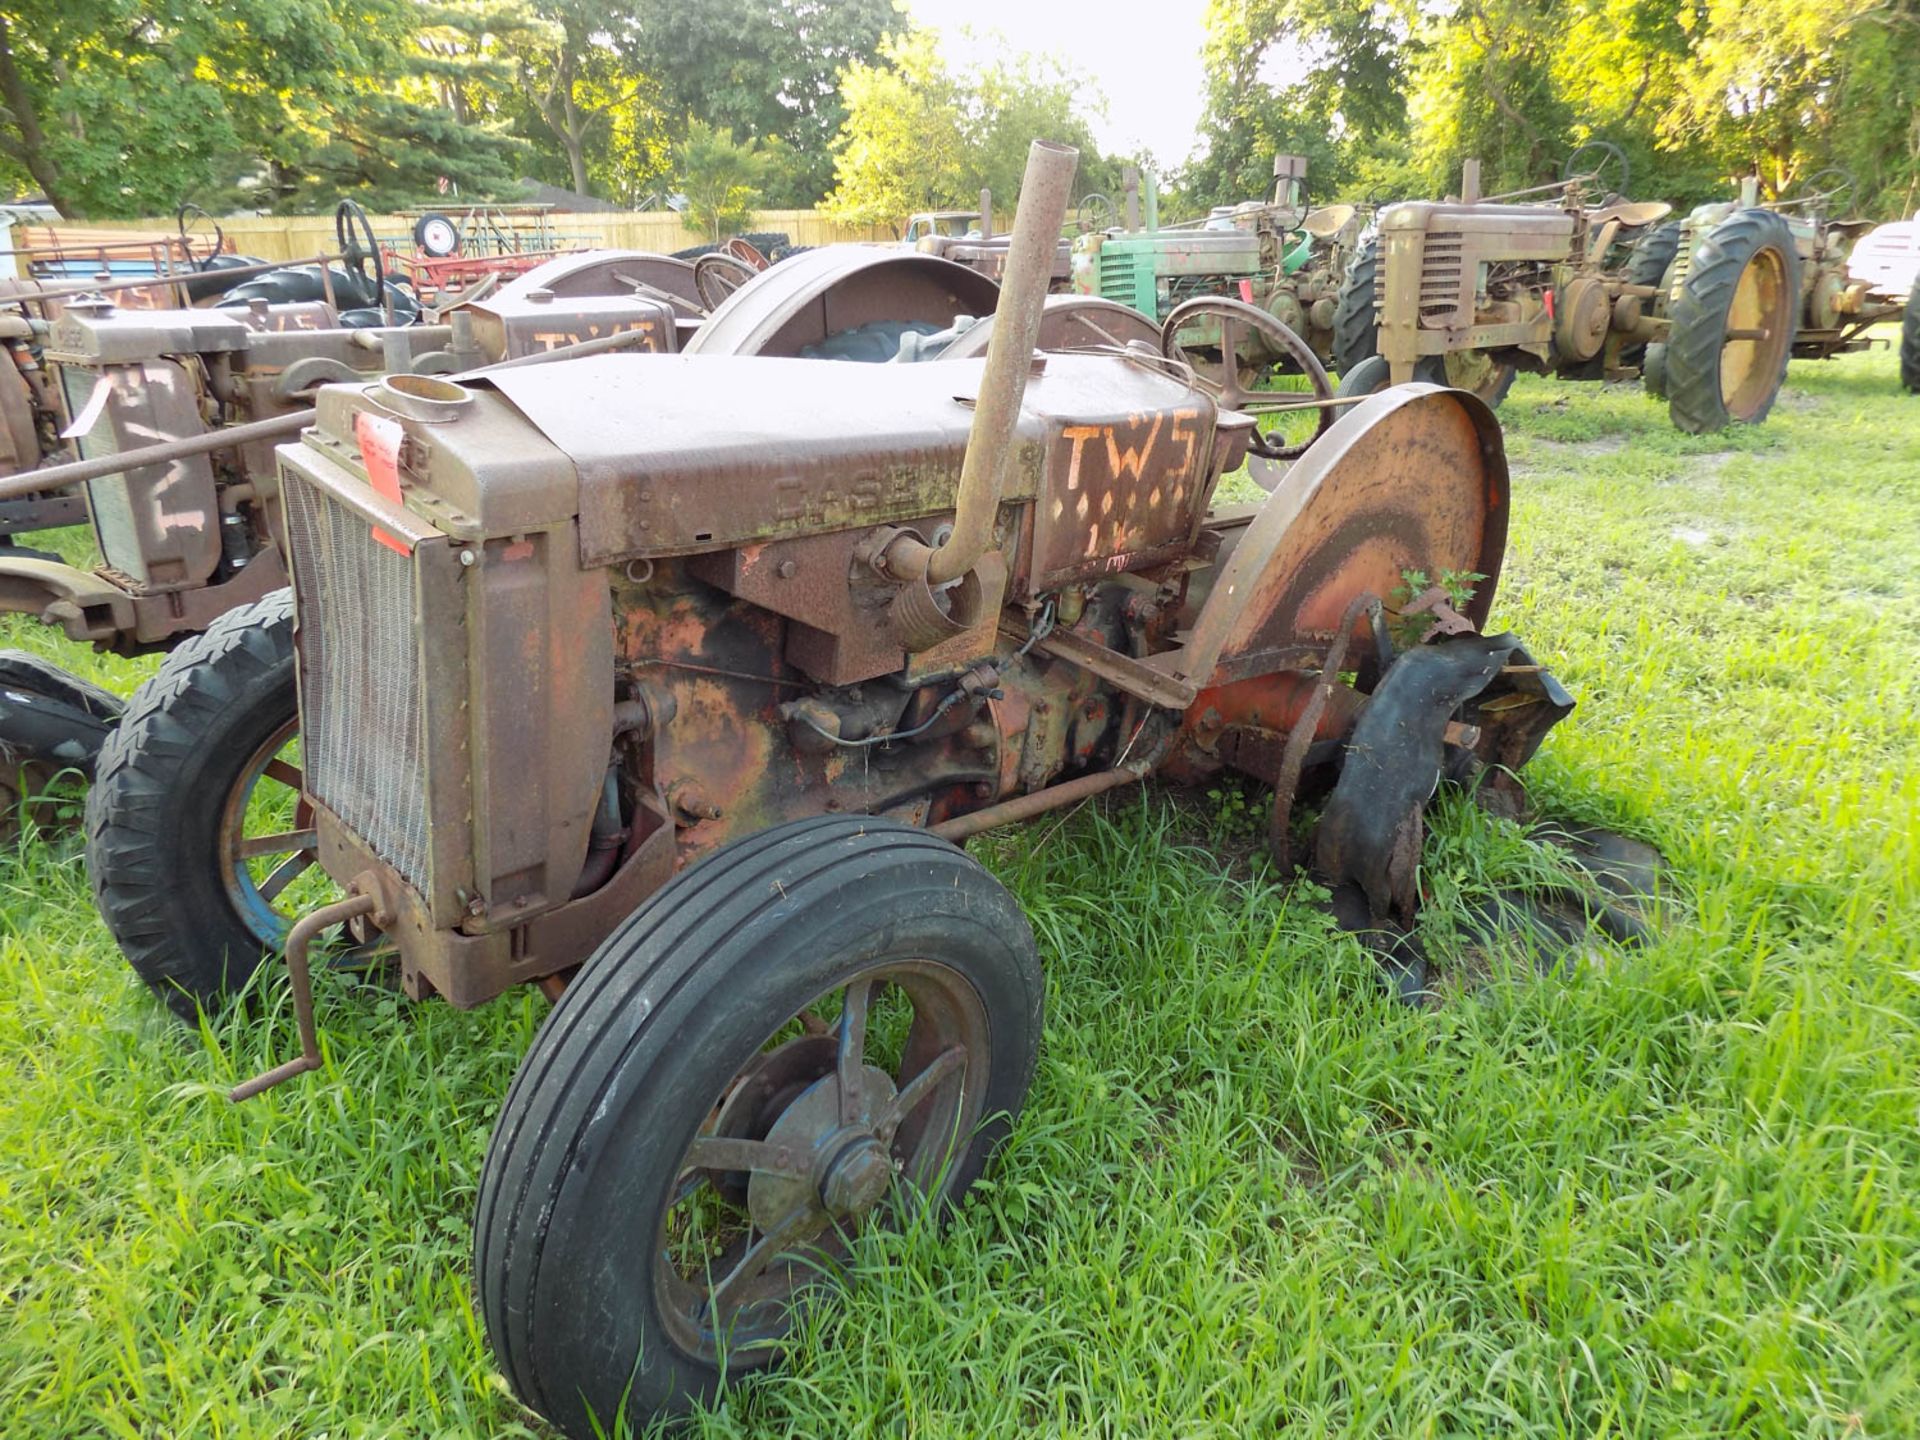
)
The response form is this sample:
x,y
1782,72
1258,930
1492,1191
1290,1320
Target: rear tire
x,y
1354,337
1744,273
686,1008
160,797
1910,342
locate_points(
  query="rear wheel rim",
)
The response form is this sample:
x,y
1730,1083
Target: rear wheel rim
x,y
1749,369
737,1249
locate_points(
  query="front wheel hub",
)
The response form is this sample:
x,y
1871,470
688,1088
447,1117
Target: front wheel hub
x,y
853,1181
850,1168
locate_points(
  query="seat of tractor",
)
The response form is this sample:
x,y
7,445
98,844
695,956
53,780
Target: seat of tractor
x,y
1328,221
1632,214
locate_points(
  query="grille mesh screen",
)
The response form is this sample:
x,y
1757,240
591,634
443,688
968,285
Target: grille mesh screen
x,y
363,739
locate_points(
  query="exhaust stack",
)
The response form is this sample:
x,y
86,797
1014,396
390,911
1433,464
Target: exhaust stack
x,y
1016,327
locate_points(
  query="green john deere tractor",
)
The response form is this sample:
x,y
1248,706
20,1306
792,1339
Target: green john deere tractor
x,y
1277,255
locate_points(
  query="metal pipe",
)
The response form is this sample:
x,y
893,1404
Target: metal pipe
x,y
305,930
624,340
75,472
1016,327
1038,802
186,278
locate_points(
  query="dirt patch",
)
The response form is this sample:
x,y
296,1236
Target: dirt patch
x,y
1599,445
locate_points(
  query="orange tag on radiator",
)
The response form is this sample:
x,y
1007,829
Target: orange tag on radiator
x,y
1246,291
380,442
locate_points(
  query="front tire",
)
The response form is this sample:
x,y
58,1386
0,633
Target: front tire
x,y
1744,275
1474,371
172,803
683,1115
1369,377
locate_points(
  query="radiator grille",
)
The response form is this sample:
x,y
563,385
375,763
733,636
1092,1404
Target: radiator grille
x,y
1441,275
363,739
1121,275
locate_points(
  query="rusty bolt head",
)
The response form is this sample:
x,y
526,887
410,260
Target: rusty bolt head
x,y
786,569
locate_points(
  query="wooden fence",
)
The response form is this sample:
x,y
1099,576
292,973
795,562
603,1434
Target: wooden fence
x,y
298,237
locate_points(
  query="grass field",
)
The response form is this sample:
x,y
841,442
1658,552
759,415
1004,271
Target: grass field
x,y
1672,1194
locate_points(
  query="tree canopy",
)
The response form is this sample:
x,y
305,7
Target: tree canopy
x,y
1388,97
130,107
920,135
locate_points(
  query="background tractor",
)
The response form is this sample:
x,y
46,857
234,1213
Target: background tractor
x,y
1843,277
1277,255
1470,292
672,683
174,414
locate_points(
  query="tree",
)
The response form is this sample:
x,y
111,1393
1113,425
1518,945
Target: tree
x,y
1780,88
577,69
720,179
920,137
118,108
1346,104
902,146
766,69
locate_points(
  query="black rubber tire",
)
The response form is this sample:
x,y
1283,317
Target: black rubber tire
x,y
1700,319
1433,371
629,1062
429,225
1370,376
1653,370
1910,342
1648,266
161,784
1354,337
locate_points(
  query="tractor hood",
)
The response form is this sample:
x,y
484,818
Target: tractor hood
x,y
678,454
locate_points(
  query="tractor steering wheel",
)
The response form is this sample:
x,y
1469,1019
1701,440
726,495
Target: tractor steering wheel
x,y
1237,321
361,260
1096,212
716,275
192,222
1596,163
1830,191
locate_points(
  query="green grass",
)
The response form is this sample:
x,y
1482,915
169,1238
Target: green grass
x,y
1673,1194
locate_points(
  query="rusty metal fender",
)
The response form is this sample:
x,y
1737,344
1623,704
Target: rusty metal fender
x,y
1412,478
819,293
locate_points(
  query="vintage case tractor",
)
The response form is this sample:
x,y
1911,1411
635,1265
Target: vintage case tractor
x,y
672,684
174,415
1471,292
1849,275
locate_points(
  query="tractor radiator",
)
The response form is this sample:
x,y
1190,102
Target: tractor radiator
x,y
360,703
1444,299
